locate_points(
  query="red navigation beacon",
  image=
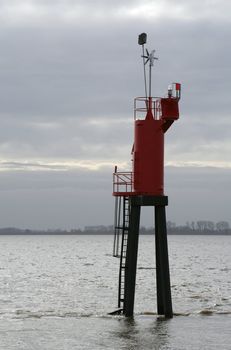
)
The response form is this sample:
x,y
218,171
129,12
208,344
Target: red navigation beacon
x,y
153,117
144,186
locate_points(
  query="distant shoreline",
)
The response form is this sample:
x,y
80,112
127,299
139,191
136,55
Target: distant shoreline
x,y
200,228
50,233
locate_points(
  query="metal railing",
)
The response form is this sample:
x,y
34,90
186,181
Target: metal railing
x,y
142,104
122,182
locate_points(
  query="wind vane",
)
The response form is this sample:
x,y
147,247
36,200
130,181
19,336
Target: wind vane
x,y
150,57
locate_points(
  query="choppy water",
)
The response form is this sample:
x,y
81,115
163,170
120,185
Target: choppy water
x,y
56,291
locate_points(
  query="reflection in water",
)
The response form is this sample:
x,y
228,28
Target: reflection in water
x,y
142,333
127,334
160,332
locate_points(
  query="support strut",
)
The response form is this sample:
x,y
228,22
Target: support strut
x,y
164,300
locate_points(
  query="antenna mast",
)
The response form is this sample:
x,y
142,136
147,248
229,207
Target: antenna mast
x,y
149,57
142,39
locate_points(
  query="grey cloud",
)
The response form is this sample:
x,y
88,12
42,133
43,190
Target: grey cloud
x,y
63,74
198,193
76,139
67,200
66,85
70,10
50,75
55,199
20,180
29,165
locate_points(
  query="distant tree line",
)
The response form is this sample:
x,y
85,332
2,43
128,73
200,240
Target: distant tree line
x,y
201,227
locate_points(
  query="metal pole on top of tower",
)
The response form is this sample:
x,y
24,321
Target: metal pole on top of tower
x,y
149,57
142,39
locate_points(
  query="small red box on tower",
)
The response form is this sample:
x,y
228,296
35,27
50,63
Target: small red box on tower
x,y
169,108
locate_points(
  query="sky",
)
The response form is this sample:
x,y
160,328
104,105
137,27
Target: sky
x,y
69,71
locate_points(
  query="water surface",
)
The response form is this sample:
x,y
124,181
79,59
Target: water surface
x,y
56,292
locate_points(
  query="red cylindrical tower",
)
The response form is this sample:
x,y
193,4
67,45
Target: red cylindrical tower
x,y
148,148
148,156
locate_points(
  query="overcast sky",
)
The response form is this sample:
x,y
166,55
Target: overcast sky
x,y
69,71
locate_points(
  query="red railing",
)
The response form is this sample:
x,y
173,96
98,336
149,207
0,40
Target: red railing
x,y
122,182
142,104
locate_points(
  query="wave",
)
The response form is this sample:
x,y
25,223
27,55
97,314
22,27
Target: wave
x,y
25,314
204,312
209,312
51,313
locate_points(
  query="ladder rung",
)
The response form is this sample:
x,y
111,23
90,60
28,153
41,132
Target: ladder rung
x,y
123,229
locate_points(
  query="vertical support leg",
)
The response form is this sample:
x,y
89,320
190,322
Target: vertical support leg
x,y
131,260
164,299
159,284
